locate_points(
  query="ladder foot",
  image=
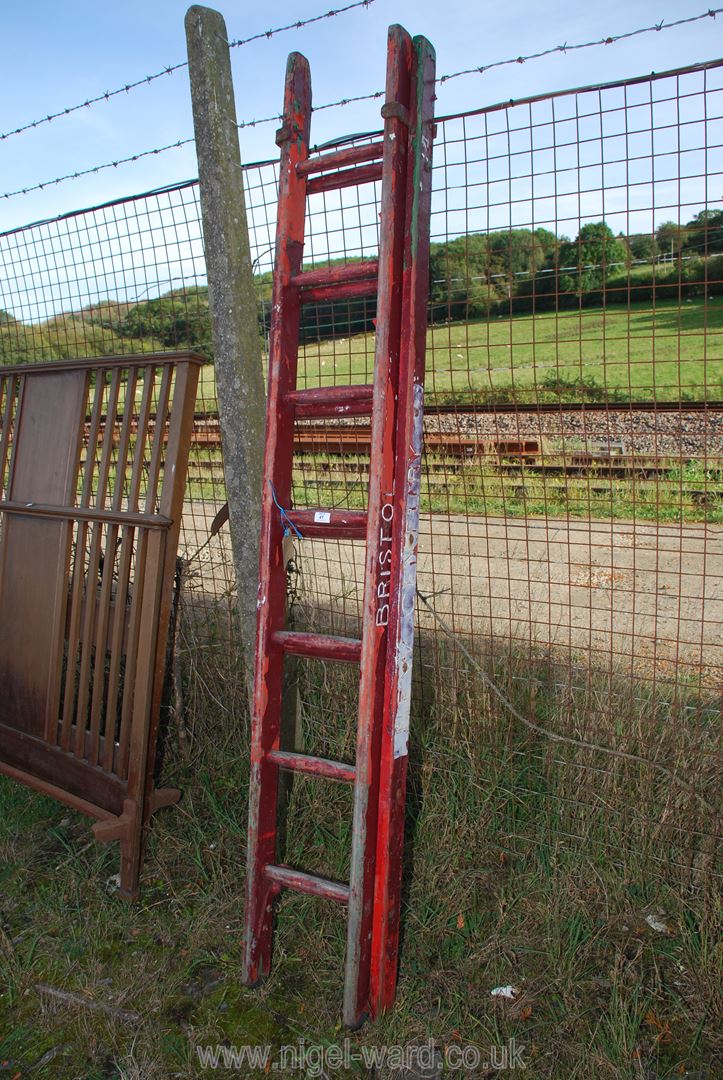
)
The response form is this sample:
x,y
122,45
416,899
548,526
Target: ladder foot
x,y
356,1025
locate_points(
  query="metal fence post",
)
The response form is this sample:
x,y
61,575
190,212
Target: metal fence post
x,y
232,296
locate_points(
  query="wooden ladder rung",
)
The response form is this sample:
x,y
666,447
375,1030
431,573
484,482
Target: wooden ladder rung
x,y
337,275
343,290
330,524
338,159
313,766
310,884
333,181
322,401
320,646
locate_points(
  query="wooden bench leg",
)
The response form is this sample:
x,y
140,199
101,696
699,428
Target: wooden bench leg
x,y
128,830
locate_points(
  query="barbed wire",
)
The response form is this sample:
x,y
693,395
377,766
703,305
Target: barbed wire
x,y
611,40
172,146
315,108
374,95
96,168
299,23
170,69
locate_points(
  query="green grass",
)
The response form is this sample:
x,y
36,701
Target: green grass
x,y
686,494
659,353
662,353
666,352
525,864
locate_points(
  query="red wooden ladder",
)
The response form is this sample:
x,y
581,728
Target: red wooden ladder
x,y
399,278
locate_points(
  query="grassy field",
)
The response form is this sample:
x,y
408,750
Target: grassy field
x,y
545,869
687,494
664,353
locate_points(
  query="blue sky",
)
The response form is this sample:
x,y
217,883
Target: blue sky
x,y
56,55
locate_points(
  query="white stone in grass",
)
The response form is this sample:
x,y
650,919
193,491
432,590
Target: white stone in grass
x,y
657,924
113,883
507,992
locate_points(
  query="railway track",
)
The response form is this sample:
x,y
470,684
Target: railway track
x,y
345,469
494,437
336,449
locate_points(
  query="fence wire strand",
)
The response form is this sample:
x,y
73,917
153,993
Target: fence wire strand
x,y
170,69
275,117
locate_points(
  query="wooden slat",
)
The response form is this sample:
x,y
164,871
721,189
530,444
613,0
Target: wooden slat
x,y
131,361
45,787
141,433
134,632
319,646
319,402
338,159
309,884
170,504
362,174
159,431
120,645
313,766
9,385
94,478
140,537
78,579
106,585
119,631
87,515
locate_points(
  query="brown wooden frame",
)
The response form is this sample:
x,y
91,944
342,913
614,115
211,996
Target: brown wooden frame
x,y
93,460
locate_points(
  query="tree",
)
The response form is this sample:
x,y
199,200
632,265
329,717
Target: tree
x,y
472,274
704,233
587,262
643,246
670,238
461,278
180,320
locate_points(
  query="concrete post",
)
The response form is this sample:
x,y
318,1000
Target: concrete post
x,y
232,296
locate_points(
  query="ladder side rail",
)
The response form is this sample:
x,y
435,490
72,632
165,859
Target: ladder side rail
x,y
400,649
293,138
380,514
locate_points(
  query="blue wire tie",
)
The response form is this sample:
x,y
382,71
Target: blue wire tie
x,y
286,520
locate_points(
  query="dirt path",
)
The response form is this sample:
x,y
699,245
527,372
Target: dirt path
x,y
631,593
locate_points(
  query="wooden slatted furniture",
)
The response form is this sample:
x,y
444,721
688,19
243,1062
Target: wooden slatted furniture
x,y
93,458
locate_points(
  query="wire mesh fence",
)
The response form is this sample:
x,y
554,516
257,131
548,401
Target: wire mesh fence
x,y
572,496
